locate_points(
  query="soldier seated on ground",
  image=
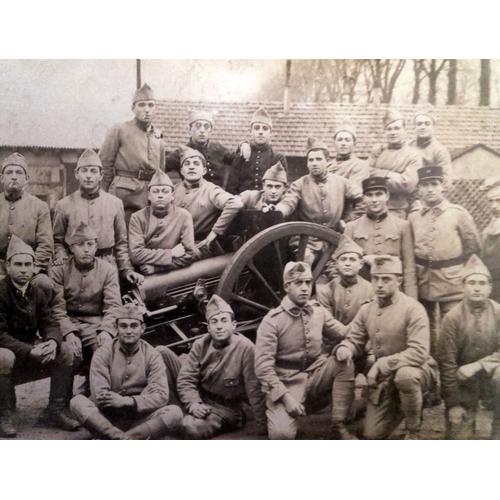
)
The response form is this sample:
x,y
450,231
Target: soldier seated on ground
x,y
128,385
91,292
292,363
469,354
218,376
31,344
161,235
211,207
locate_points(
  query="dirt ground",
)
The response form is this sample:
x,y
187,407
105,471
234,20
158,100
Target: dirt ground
x,y
32,398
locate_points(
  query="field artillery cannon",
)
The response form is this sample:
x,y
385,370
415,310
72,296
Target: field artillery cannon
x,y
249,278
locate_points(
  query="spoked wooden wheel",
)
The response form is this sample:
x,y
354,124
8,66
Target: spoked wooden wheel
x,y
253,280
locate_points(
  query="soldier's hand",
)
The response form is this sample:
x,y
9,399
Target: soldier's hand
x,y
110,399
103,337
372,375
59,260
245,150
344,354
147,269
37,353
207,241
456,415
293,407
134,278
75,344
49,351
466,372
199,410
178,251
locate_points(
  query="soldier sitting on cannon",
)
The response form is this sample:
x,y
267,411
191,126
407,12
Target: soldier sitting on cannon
x,y
218,376
161,236
91,292
211,207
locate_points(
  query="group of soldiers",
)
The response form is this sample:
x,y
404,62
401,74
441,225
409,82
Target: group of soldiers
x,y
405,308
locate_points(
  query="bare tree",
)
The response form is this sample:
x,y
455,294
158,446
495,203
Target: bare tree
x,y
419,75
484,83
381,75
432,69
452,82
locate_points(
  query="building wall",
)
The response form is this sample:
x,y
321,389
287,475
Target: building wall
x,y
478,163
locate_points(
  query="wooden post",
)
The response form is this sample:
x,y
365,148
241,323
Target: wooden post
x,y
138,72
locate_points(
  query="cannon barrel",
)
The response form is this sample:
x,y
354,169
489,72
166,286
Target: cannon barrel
x,y
157,286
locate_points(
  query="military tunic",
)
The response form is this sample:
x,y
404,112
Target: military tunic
x,y
152,238
130,154
252,199
90,295
491,255
104,214
353,168
246,175
28,218
211,207
223,378
434,154
218,161
399,166
387,235
444,237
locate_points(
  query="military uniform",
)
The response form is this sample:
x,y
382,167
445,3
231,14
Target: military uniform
x,y
290,358
491,254
433,153
350,167
398,333
387,235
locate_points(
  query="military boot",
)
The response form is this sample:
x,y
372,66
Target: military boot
x,y
101,427
7,428
342,398
339,430
167,422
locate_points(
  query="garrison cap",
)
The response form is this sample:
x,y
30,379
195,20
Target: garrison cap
x,y
346,127
386,264
475,266
145,93
392,115
201,114
18,246
374,183
129,311
426,173
261,116
347,245
81,233
16,159
160,178
186,152
426,111
313,144
295,270
217,305
89,158
276,173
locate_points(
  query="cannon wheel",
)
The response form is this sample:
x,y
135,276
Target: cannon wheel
x,y
269,244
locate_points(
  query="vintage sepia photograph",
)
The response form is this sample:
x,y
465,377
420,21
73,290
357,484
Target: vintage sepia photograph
x,y
250,249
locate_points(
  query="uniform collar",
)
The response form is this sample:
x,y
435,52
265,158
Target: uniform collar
x,y
343,157
348,282
195,185
377,218
294,309
439,208
261,147
395,146
17,195
389,301
90,196
84,269
198,146
475,308
160,214
19,290
125,351
145,127
319,180
423,142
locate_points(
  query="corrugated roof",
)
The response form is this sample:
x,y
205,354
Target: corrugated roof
x,y
456,126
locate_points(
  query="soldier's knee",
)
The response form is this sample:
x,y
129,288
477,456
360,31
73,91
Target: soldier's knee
x,y
66,356
198,428
495,381
7,360
407,379
80,405
171,415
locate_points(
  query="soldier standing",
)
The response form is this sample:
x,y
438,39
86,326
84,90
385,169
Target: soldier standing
x,y
101,211
444,236
23,214
469,354
398,162
132,152
379,232
247,173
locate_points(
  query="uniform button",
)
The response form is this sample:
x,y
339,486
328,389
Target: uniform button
x,y
377,330
379,314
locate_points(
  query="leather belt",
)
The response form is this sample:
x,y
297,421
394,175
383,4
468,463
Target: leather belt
x,y
102,252
291,365
219,399
439,264
140,175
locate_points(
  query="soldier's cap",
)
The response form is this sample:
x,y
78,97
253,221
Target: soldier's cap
x,y
491,186
475,266
160,178
217,305
200,114
261,116
347,245
430,172
81,233
89,158
16,159
313,144
386,264
129,311
186,152
145,93
392,115
346,127
426,111
18,246
371,183
276,172
295,270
